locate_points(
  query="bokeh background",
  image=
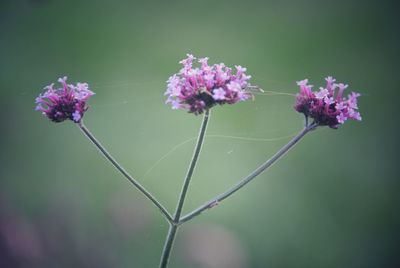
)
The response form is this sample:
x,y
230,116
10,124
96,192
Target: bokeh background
x,y
333,201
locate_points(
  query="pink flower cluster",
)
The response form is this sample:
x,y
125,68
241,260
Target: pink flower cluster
x,y
67,102
324,107
198,89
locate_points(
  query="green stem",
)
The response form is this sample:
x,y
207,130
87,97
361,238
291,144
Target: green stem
x,y
174,225
215,201
107,155
169,241
192,166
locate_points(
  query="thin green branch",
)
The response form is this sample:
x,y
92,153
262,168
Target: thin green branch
x,y
174,226
215,201
108,156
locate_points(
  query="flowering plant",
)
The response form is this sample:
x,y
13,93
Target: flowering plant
x,y
68,102
324,107
197,90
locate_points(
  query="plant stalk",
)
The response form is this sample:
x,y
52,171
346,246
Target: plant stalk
x,y
174,225
215,201
135,183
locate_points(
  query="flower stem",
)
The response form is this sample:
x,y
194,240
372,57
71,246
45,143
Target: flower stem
x,y
107,155
215,201
174,225
169,241
192,166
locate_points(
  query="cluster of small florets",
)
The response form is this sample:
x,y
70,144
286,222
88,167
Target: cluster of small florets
x,y
67,102
324,107
198,89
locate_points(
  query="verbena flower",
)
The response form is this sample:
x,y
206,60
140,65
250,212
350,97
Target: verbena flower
x,y
67,102
325,106
200,88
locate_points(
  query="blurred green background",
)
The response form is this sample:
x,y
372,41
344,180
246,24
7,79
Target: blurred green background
x,y
331,202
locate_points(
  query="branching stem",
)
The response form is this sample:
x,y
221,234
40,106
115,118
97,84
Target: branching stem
x,y
174,225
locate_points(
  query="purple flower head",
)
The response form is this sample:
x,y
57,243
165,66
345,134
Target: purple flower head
x,y
199,88
325,106
67,102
